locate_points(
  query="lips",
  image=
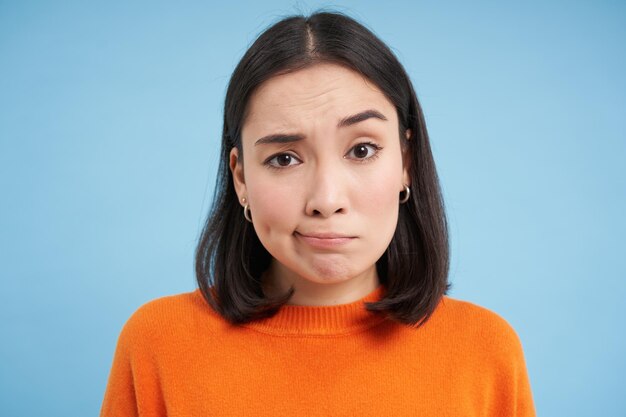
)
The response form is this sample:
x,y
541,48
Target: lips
x,y
325,235
324,240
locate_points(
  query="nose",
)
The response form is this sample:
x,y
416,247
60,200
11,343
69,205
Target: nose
x,y
327,192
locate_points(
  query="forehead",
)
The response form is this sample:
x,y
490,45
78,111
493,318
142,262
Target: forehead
x,y
321,93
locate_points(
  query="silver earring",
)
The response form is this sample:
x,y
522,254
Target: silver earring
x,y
407,194
246,213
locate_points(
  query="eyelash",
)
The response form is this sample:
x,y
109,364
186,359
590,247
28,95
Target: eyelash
x,y
377,148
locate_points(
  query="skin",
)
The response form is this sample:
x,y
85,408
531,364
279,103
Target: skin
x,y
334,180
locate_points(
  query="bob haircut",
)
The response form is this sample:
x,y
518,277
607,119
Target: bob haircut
x,y
230,259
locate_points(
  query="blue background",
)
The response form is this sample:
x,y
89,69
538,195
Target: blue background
x,y
110,119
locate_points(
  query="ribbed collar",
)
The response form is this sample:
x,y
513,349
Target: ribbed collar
x,y
321,320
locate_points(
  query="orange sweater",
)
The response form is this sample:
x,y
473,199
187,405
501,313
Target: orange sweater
x,y
175,356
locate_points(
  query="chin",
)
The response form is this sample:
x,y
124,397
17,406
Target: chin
x,y
331,272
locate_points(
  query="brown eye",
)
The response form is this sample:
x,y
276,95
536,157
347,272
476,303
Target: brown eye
x,y
360,151
282,160
364,151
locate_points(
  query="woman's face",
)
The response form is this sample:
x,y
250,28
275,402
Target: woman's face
x,y
322,171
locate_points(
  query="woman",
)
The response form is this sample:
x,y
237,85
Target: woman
x,y
322,268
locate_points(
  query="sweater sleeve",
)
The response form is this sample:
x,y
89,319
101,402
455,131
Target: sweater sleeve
x,y
514,396
524,404
134,385
120,398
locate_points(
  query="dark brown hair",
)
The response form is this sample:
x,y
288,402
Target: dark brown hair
x,y
230,259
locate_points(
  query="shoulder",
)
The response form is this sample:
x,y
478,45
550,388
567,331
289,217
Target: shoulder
x,y
479,326
167,305
168,316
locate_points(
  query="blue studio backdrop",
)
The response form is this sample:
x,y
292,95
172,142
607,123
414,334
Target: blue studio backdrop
x,y
110,121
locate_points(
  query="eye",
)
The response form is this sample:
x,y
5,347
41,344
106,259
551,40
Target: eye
x,y
282,160
364,151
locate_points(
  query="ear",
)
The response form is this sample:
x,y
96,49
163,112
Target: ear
x,y
406,159
236,168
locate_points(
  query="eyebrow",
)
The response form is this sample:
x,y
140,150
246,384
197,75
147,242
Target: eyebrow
x,y
359,117
346,121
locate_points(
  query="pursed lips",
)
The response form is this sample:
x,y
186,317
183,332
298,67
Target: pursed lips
x,y
325,240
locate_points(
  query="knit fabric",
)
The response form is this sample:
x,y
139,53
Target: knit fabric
x,y
177,357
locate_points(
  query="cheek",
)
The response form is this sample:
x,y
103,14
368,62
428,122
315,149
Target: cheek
x,y
379,192
275,209
378,203
382,195
381,209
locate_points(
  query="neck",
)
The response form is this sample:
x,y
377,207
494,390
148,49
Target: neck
x,y
278,279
